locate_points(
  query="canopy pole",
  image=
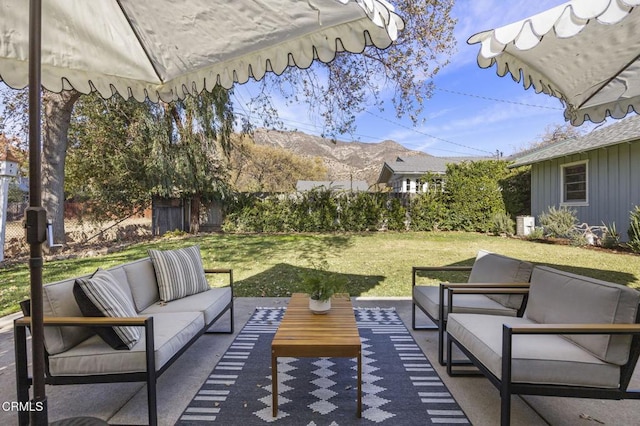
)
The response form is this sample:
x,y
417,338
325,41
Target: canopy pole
x,y
35,217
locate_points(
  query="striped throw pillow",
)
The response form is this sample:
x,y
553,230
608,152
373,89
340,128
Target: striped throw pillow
x,y
100,296
179,272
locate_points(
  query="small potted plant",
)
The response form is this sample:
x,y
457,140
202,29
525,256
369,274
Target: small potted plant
x,y
321,285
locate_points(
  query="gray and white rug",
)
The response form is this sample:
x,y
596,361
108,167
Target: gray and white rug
x,y
399,384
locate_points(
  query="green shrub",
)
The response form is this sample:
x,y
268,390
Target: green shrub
x,y
634,230
578,239
428,212
536,233
558,223
394,215
610,236
516,191
502,224
473,194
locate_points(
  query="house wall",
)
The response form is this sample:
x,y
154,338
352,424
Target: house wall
x,y
613,185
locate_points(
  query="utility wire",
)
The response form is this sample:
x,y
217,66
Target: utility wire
x,y
427,134
486,98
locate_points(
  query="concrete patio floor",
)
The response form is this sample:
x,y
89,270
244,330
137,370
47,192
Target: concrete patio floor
x,y
126,403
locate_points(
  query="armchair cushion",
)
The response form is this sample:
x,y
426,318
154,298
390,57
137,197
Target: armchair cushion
x,y
541,359
558,297
495,268
179,272
428,298
101,296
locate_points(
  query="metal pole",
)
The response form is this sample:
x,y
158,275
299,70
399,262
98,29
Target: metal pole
x,y
35,216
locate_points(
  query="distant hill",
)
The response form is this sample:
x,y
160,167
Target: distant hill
x,y
344,160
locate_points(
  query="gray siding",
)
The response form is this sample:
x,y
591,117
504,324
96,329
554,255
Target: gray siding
x,y
613,185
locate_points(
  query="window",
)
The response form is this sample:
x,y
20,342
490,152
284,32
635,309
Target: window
x,y
574,183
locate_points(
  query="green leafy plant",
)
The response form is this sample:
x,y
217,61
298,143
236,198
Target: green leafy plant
x,y
536,233
634,230
502,224
558,223
320,284
610,235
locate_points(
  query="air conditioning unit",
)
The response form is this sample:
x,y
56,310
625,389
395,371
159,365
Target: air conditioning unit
x,y
525,225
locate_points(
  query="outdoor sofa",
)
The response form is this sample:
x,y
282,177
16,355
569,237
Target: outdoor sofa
x,y
579,337
500,284
163,304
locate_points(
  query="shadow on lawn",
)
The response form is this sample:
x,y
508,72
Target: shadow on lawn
x,y
618,277
284,279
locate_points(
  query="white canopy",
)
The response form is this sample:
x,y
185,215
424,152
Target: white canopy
x,y
163,49
585,52
167,48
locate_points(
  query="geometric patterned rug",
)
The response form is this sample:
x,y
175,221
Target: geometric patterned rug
x,y
399,385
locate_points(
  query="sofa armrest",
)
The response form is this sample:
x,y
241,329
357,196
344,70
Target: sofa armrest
x,y
222,271
573,329
228,271
453,268
476,288
87,321
20,337
595,329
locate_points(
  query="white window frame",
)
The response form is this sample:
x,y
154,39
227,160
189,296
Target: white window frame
x,y
584,202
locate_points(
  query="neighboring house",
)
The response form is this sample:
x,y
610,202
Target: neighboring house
x,y
337,185
406,174
597,175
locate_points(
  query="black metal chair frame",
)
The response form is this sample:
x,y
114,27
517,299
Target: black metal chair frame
x,y
150,376
508,388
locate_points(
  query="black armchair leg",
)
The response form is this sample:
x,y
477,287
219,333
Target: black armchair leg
x,y
413,320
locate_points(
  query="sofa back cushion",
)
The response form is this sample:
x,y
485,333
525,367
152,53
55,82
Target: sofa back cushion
x,y
495,268
142,282
58,301
558,297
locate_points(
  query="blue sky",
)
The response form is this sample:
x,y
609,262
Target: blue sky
x,y
461,124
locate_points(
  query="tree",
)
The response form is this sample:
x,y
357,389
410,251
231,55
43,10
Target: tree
x,y
261,168
554,133
110,140
199,143
124,151
335,92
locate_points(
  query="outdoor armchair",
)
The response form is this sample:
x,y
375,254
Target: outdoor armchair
x,y
490,270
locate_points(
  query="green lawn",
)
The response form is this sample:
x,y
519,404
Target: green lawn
x,y
375,264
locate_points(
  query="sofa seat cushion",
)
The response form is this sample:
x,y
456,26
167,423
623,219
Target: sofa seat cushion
x,y
428,298
211,303
172,331
179,272
540,359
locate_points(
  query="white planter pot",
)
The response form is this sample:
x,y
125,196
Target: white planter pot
x,y
319,307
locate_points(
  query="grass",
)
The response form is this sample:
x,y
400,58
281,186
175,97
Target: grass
x,y
374,264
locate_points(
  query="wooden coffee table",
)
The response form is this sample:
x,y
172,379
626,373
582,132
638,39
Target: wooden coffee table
x,y
304,334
